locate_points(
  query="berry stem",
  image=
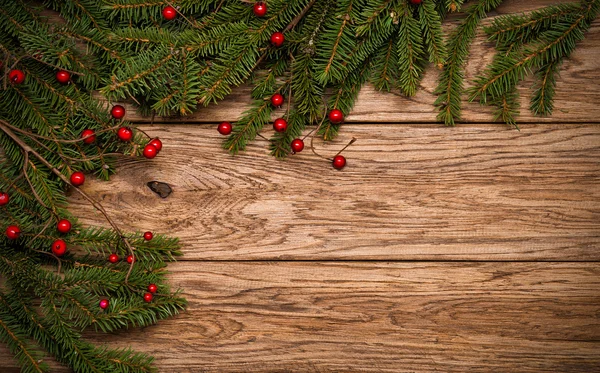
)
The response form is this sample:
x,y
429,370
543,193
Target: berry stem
x,y
347,145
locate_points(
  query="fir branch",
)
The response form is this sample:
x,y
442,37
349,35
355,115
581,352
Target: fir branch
x,y
542,101
409,46
431,25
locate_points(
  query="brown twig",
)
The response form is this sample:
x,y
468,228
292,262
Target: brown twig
x,y
300,16
347,145
4,126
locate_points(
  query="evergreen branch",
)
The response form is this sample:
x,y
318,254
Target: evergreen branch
x,y
431,25
410,51
248,126
543,96
28,358
385,66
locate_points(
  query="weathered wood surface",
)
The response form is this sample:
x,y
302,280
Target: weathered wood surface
x,y
378,317
412,192
572,104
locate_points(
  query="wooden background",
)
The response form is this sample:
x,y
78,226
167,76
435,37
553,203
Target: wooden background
x,y
436,249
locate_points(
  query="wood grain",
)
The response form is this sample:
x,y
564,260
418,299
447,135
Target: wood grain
x,y
378,317
573,104
414,192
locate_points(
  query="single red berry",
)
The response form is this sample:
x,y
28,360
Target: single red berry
x,y
130,259
280,125
113,258
4,198
224,128
169,13
336,116
77,178
260,9
63,76
59,247
277,99
125,134
117,112
148,297
416,2
13,232
152,288
339,162
63,226
104,304
16,76
157,143
148,236
277,39
150,151
297,145
88,136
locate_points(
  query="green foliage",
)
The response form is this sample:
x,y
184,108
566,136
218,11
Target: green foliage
x,y
46,302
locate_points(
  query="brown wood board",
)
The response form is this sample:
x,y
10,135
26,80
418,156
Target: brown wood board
x,y
377,317
411,192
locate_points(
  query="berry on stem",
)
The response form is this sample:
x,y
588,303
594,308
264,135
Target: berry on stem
x,y
104,304
63,226
259,9
277,39
63,76
4,198
88,136
297,145
280,125
224,128
117,112
13,232
148,297
130,259
77,178
416,2
157,143
125,134
277,99
169,13
148,236
113,258
336,116
339,162
150,151
16,76
59,247
152,288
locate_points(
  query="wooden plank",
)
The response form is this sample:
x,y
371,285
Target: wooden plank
x,y
414,192
378,317
577,95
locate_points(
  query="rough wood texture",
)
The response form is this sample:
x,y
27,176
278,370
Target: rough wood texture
x,y
379,317
413,192
572,103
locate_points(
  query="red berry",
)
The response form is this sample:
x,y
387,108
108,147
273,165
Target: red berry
x,y
277,100
339,162
125,134
416,2
13,232
169,13
150,151
148,297
336,116
280,125
224,128
63,226
277,39
77,178
117,112
59,247
4,198
260,9
130,259
297,145
88,136
104,304
113,258
16,76
152,288
148,236
63,76
157,144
